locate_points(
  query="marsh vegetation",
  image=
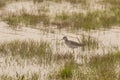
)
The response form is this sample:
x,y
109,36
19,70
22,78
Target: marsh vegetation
x,y
33,53
40,53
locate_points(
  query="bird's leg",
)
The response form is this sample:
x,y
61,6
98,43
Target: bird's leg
x,y
73,51
75,55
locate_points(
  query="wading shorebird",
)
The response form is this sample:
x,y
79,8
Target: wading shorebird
x,y
72,44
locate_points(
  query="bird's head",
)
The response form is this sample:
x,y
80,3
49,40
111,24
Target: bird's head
x,y
65,38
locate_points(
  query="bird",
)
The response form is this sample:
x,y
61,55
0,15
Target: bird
x,y
72,44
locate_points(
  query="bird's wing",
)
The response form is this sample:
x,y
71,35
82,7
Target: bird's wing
x,y
77,44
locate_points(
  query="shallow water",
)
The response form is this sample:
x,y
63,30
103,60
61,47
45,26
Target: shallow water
x,y
108,39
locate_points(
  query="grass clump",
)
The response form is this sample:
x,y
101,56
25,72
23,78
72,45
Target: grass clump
x,y
62,20
47,0
91,20
66,72
108,59
90,42
113,6
103,66
99,67
77,1
78,20
64,16
65,57
34,76
117,13
27,49
27,19
112,2
88,21
109,20
2,3
5,77
71,1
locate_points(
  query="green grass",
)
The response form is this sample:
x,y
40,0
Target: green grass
x,y
108,59
77,1
114,8
104,66
32,49
64,16
90,42
25,52
71,1
100,67
46,0
66,72
27,19
65,57
62,20
91,20
2,3
27,49
117,13
112,2
20,77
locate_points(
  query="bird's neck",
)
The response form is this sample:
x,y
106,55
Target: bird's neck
x,y
66,40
